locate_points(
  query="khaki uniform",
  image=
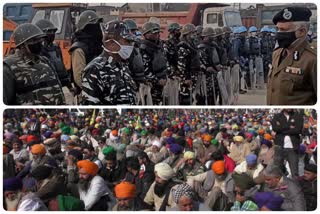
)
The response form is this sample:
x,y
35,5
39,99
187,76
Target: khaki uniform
x,y
294,80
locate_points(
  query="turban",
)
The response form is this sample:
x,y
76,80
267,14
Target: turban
x,y
207,138
203,130
12,184
157,144
266,142
74,137
164,171
66,130
95,132
114,132
268,199
126,131
251,159
76,153
175,148
218,167
170,140
64,138
41,172
243,181
189,155
125,190
235,126
214,142
96,126
169,134
23,137
107,150
44,126
238,138
31,138
267,136
70,203
49,141
249,135
182,190
47,134
143,132
88,166
261,131
38,149
8,135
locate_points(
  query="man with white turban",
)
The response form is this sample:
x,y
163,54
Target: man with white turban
x,y
189,166
154,153
159,194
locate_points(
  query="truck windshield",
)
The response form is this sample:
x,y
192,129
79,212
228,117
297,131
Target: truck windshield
x,y
232,18
40,14
56,17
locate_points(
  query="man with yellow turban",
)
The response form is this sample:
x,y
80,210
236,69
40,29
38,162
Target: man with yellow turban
x,y
189,166
238,149
93,190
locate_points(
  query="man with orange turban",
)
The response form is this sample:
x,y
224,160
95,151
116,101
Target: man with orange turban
x,y
93,190
206,149
216,186
126,197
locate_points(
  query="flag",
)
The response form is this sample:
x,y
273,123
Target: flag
x,y
93,117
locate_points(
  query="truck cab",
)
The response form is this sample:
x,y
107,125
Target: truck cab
x,y
221,16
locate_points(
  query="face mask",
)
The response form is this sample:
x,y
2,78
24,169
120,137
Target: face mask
x,y
124,52
50,38
35,48
285,39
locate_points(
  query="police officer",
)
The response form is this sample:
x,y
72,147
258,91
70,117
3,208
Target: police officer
x,y
199,30
52,50
227,41
107,79
87,42
135,60
28,77
292,80
252,48
266,50
238,52
209,60
188,64
171,48
154,60
222,51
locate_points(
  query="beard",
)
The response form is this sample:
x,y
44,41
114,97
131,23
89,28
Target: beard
x,y
221,177
264,151
84,184
12,203
159,189
126,208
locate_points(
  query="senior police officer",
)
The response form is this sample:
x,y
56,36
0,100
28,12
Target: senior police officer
x,y
28,77
292,80
107,79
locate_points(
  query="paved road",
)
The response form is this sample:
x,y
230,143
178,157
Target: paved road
x,y
259,97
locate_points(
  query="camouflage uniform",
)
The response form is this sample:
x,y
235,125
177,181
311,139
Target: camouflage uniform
x,y
188,68
30,79
209,58
171,50
155,64
107,82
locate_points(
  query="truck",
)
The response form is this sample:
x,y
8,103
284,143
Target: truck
x,y
204,14
63,16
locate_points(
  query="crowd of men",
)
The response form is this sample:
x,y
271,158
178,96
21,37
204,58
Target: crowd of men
x,y
116,63
163,160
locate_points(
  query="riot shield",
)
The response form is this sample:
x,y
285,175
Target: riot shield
x,y
223,89
235,81
165,93
260,72
252,75
227,80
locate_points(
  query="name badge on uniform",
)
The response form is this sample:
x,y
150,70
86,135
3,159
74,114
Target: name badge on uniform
x,y
293,70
